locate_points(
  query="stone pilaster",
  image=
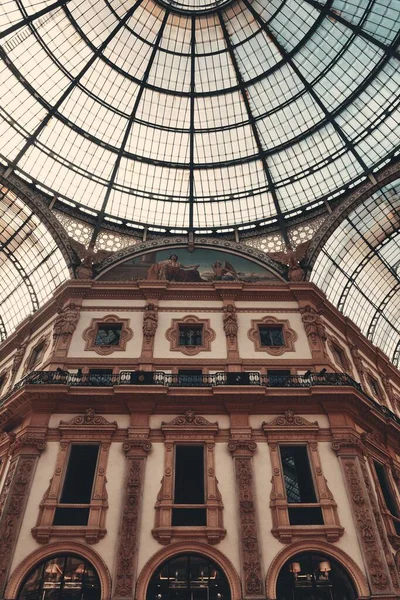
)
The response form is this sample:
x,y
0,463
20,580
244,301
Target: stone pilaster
x,y
125,573
371,534
252,578
25,451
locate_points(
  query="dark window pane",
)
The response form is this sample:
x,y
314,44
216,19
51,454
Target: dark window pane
x,y
271,336
37,354
305,516
385,487
78,481
189,516
190,335
108,334
71,516
189,475
297,474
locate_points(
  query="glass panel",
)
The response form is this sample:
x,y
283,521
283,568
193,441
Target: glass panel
x,y
108,334
271,336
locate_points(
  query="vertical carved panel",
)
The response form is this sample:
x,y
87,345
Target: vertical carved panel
x,y
13,500
357,478
126,558
249,547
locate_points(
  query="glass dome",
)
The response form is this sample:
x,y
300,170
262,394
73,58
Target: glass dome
x,y
196,114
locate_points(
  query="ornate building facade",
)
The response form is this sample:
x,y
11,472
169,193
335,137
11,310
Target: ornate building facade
x,y
189,424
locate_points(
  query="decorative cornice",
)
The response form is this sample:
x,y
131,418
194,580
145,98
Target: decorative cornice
x,y
248,446
141,445
89,419
189,418
289,419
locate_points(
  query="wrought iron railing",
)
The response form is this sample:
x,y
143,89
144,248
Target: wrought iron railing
x,y
252,378
159,378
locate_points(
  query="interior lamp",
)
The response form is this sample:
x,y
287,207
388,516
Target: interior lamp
x,y
295,568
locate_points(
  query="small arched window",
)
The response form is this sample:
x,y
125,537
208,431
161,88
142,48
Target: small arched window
x,y
62,578
314,575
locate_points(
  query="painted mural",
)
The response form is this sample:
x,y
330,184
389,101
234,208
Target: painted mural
x,y
202,264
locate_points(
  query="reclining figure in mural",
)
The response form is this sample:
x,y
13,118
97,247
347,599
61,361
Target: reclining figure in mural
x,y
172,270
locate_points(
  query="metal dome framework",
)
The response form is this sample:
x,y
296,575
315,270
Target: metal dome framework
x,y
202,117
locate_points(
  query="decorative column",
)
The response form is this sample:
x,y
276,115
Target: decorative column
x,y
25,451
356,356
17,360
370,532
63,328
252,579
125,573
149,327
231,327
315,331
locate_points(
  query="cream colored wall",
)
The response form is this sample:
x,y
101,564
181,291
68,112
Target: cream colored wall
x,y
246,346
162,345
193,305
114,302
133,347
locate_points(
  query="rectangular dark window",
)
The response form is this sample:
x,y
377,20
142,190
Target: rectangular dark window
x,y
278,377
271,335
374,386
108,334
299,486
387,494
190,335
189,486
338,355
78,484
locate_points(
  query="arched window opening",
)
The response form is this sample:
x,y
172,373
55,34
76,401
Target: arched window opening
x,y
312,576
188,577
62,578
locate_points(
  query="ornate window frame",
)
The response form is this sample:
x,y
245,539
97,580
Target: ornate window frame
x,y
4,377
90,335
287,430
289,336
172,335
87,428
377,452
380,395
29,365
333,344
186,429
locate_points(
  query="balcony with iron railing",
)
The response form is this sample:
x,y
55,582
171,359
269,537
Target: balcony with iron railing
x,y
205,380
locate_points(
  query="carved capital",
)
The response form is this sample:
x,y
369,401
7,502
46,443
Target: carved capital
x,y
65,324
242,446
350,444
137,447
28,443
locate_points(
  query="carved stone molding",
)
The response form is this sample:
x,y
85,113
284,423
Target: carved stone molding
x,y
17,360
136,451
383,536
367,531
91,332
242,447
315,330
13,502
4,375
189,419
149,327
289,419
289,336
249,545
89,419
66,322
358,363
208,335
28,443
349,444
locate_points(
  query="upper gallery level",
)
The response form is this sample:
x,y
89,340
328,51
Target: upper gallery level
x,y
207,320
